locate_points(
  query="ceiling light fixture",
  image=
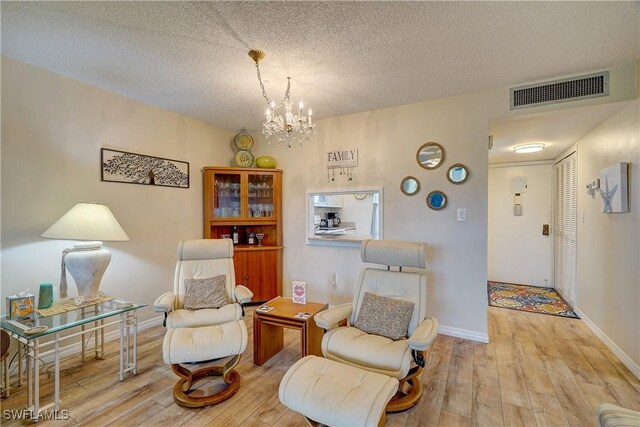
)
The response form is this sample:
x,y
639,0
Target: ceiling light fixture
x,y
287,128
528,148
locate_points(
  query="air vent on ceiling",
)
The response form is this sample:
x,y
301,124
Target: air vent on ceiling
x,y
563,90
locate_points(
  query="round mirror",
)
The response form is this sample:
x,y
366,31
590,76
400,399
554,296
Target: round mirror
x,y
410,185
430,155
458,173
437,200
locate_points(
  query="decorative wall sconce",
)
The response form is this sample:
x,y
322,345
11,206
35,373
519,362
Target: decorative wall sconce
x,y
593,186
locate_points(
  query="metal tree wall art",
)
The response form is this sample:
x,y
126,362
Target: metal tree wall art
x,y
131,168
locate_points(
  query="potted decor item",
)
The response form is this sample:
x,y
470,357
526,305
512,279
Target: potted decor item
x,y
266,162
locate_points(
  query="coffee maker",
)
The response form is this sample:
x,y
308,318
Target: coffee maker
x,y
333,219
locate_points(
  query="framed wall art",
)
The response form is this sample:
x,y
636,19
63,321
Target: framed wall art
x,y
613,188
132,168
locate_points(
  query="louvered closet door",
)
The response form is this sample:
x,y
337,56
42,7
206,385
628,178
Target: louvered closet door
x,y
565,227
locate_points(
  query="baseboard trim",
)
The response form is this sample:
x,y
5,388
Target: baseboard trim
x,y
75,348
463,333
624,358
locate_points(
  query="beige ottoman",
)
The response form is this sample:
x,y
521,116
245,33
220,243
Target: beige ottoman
x,y
205,343
332,393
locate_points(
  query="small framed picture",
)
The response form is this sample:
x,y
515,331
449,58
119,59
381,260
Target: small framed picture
x,y
299,292
20,307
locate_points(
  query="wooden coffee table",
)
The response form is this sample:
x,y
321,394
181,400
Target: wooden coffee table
x,y
268,328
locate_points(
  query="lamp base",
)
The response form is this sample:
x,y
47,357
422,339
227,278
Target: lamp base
x,y
87,266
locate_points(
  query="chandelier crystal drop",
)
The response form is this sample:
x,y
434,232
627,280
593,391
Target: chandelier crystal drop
x,y
281,123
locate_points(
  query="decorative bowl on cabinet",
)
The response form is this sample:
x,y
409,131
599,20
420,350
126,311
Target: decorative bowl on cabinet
x,y
266,162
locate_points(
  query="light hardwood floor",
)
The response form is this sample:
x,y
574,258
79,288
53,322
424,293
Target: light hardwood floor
x,y
538,370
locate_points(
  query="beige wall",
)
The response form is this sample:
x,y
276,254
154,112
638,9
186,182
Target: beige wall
x,y
52,130
387,141
608,244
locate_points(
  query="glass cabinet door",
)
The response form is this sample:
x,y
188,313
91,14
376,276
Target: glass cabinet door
x,y
226,195
260,196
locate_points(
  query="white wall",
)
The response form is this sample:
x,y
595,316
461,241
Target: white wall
x,y
52,130
609,244
358,211
518,252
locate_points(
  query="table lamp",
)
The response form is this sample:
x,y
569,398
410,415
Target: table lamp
x,y
86,261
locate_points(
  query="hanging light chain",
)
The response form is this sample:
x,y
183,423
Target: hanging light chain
x,y
287,93
264,92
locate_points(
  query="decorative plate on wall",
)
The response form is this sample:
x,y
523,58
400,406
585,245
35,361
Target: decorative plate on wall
x,y
244,159
243,141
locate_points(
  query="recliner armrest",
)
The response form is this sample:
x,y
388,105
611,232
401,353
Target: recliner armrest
x,y
330,318
165,302
243,294
424,334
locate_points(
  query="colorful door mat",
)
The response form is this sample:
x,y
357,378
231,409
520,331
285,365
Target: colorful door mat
x,y
528,298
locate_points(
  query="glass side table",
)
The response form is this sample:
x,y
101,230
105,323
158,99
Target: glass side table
x,y
90,319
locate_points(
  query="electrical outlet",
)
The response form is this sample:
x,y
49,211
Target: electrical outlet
x,y
462,215
334,280
545,229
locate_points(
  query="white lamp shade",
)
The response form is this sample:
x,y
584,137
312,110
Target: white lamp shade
x,y
87,221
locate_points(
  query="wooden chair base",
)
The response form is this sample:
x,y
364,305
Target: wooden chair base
x,y
183,388
409,392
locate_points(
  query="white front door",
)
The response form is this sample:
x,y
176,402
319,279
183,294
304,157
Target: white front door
x,y
518,251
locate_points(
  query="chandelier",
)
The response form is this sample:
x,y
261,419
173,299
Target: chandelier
x,y
281,124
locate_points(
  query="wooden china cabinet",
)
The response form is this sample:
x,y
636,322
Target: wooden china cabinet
x,y
251,201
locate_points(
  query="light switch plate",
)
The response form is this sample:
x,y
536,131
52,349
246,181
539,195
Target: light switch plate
x,y
462,215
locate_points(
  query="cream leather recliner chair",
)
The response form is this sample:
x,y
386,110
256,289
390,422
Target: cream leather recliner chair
x,y
205,334
403,359
616,416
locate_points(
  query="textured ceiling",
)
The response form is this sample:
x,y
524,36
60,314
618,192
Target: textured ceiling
x,y
343,57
